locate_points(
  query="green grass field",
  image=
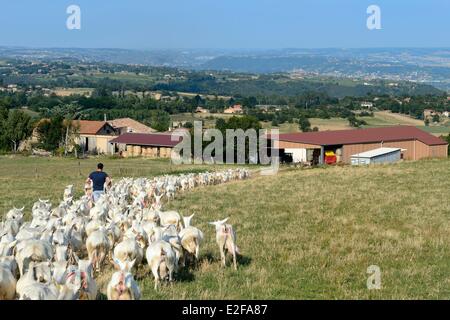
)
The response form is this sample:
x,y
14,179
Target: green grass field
x,y
380,119
304,234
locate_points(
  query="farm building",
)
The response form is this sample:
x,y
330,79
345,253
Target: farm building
x,y
315,147
236,109
201,110
380,155
156,145
128,125
94,136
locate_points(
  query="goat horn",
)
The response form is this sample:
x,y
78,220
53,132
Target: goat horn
x,y
224,220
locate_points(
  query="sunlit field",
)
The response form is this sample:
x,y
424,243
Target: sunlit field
x,y
303,234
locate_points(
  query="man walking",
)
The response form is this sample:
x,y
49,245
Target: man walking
x,y
100,180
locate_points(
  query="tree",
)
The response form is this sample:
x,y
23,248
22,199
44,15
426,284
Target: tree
x,y
250,102
245,123
304,124
198,100
159,120
355,122
188,125
4,145
17,128
51,133
221,124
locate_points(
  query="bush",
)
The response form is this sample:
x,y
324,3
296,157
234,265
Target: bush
x,y
60,151
366,114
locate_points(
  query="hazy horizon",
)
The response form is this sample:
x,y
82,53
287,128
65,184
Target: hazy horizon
x,y
220,49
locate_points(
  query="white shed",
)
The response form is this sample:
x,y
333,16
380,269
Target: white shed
x,y
380,155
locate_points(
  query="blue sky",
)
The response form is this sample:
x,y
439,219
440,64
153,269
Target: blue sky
x,y
234,24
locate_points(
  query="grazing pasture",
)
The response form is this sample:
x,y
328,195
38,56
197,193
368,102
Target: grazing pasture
x,y
303,234
46,178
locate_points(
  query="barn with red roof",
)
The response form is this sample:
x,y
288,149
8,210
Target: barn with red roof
x,y
149,145
314,147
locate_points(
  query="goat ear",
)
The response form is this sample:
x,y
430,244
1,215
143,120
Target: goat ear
x,y
130,265
12,244
224,220
117,263
21,209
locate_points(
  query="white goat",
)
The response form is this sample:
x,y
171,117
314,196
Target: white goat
x,y
89,288
97,245
127,250
32,250
28,288
122,285
170,217
7,283
226,239
68,193
191,238
161,259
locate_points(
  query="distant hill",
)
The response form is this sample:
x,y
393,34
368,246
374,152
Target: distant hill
x,y
265,64
421,65
269,87
289,72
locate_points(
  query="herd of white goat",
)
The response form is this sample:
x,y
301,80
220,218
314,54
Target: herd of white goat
x,y
62,250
